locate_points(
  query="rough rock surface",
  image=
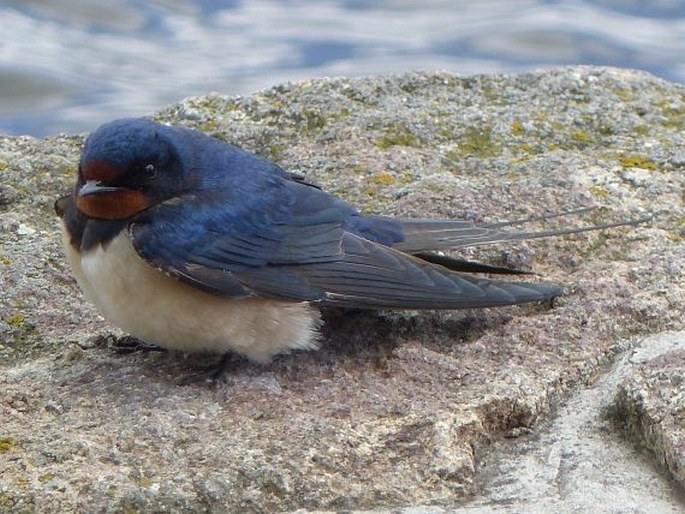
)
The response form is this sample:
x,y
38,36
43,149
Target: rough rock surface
x,y
650,402
577,461
397,408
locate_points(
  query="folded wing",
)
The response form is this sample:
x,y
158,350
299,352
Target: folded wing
x,y
305,253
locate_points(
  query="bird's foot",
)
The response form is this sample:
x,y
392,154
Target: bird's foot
x,y
214,373
129,344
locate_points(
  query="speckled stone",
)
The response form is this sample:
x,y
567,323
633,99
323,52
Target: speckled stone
x,y
650,402
398,408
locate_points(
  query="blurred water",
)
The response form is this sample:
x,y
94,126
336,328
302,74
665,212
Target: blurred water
x,y
69,65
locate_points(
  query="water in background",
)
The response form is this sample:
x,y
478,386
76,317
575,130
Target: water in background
x,y
69,65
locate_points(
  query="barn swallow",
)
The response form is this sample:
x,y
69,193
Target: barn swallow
x,y
192,244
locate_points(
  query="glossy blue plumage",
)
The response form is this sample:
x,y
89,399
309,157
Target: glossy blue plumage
x,y
236,225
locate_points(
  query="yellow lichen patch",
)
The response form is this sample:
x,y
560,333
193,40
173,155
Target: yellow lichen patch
x,y
641,130
674,237
397,135
524,150
146,482
478,142
452,155
7,443
580,136
17,319
208,126
599,192
517,128
6,501
313,120
623,93
383,179
635,161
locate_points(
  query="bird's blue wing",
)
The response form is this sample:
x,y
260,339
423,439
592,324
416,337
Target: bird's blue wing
x,y
226,241
296,242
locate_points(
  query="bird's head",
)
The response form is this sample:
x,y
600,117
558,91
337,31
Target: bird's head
x,y
127,166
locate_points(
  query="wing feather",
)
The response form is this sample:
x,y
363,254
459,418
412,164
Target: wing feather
x,y
297,242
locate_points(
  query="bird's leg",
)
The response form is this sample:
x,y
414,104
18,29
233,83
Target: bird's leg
x,y
214,373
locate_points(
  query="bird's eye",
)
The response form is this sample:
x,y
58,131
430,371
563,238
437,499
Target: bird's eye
x,y
150,171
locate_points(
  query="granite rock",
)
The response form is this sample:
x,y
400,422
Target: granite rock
x,y
397,409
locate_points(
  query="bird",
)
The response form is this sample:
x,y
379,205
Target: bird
x,y
189,243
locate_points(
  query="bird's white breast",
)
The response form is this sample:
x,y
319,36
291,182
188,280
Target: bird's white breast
x,y
161,310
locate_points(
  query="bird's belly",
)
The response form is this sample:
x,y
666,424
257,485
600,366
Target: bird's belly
x,y
161,310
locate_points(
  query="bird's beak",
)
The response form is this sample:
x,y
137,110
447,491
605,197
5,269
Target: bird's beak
x,y
109,203
93,187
